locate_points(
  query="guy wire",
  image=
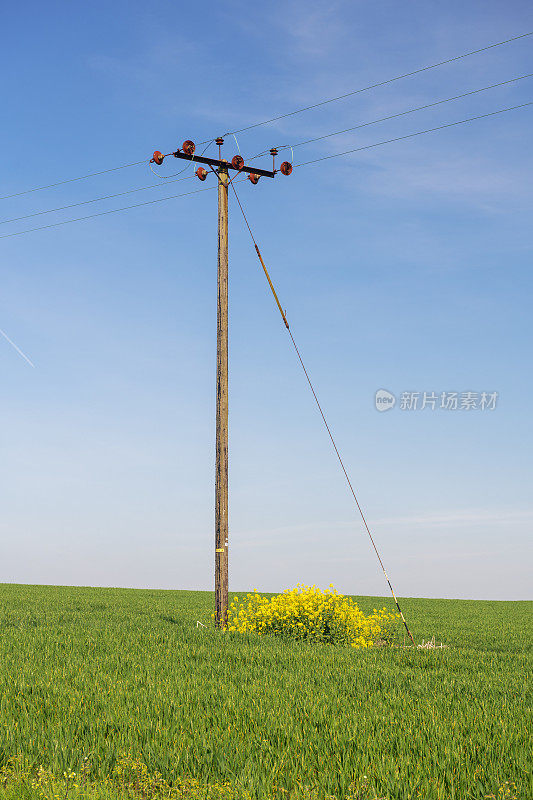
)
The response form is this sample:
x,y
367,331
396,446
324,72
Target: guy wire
x,y
284,317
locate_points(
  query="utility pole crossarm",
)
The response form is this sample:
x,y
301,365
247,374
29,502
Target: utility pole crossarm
x,y
237,164
214,162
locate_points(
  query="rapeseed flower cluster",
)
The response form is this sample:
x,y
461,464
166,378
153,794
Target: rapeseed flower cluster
x,y
311,614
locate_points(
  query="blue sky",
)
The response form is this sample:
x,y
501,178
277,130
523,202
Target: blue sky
x,y
406,267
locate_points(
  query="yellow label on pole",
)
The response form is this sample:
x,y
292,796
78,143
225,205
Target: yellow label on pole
x,y
219,550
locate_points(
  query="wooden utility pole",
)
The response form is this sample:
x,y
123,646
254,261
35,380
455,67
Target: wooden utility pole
x,y
221,167
221,470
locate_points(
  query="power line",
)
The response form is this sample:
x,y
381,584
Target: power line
x,y
394,116
380,83
410,135
95,200
281,116
92,174
107,196
303,164
71,180
103,213
346,475
292,146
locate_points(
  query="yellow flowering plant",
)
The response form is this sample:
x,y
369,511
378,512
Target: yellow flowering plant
x,y
308,613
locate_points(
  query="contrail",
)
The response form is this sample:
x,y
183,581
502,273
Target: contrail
x,y
19,351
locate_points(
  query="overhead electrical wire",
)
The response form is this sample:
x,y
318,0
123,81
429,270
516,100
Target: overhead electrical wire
x,y
312,161
111,211
379,83
101,172
95,200
72,180
283,116
337,453
394,116
103,213
303,164
410,135
107,196
294,145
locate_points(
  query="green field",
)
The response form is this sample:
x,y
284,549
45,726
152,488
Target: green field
x,y
120,687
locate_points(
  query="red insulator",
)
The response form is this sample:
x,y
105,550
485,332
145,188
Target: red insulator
x,y
158,157
286,168
253,177
188,147
237,162
201,173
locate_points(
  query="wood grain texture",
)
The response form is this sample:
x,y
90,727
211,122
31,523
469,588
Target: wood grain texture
x,y
221,470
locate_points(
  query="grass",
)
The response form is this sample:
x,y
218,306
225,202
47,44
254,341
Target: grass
x,y
93,679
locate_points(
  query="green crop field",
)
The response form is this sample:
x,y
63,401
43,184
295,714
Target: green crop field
x,y
116,693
